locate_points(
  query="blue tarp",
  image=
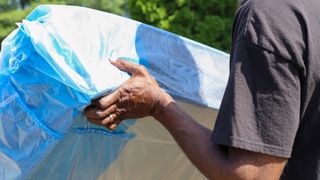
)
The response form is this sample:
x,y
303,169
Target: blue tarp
x,y
57,61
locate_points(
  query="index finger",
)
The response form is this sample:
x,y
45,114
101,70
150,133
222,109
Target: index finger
x,y
126,66
108,100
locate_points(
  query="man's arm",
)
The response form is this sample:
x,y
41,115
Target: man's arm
x,y
141,96
213,160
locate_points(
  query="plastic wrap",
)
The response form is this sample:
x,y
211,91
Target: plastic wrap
x,y
57,61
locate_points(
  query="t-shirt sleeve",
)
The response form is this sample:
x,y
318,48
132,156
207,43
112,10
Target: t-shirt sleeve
x,y
260,109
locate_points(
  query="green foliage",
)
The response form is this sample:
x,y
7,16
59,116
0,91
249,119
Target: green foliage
x,y
6,5
206,21
8,21
11,11
12,14
114,6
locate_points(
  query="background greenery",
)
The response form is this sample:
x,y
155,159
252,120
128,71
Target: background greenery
x,y
206,21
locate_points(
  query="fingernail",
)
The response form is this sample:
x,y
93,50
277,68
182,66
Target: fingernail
x,y
112,60
113,126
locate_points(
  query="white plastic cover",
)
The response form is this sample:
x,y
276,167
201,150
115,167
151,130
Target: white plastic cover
x,y
56,62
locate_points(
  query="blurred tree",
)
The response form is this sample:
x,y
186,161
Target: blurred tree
x,y
206,21
113,6
13,11
6,5
24,3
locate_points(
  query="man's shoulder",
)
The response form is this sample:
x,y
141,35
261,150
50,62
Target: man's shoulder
x,y
274,25
275,5
273,13
282,11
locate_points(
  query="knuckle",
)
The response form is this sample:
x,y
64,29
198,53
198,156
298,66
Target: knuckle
x,y
121,90
100,103
115,107
119,114
144,69
141,69
90,113
99,114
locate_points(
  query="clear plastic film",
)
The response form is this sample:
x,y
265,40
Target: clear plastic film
x,y
57,61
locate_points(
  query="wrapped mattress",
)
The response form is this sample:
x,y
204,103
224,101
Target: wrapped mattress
x,y
57,61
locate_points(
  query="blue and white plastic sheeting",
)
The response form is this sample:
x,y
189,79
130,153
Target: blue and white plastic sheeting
x,y
57,61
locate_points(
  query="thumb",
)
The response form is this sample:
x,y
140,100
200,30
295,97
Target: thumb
x,y
126,66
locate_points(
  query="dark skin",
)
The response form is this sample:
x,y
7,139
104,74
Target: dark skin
x,y
141,96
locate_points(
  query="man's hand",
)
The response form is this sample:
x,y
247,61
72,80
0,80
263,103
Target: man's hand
x,y
138,97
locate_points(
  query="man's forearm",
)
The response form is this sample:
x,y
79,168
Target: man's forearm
x,y
194,139
213,160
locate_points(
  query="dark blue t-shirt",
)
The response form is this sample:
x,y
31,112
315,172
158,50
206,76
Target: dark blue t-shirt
x,y
272,101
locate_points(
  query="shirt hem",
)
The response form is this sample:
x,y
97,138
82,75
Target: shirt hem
x,y
252,146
